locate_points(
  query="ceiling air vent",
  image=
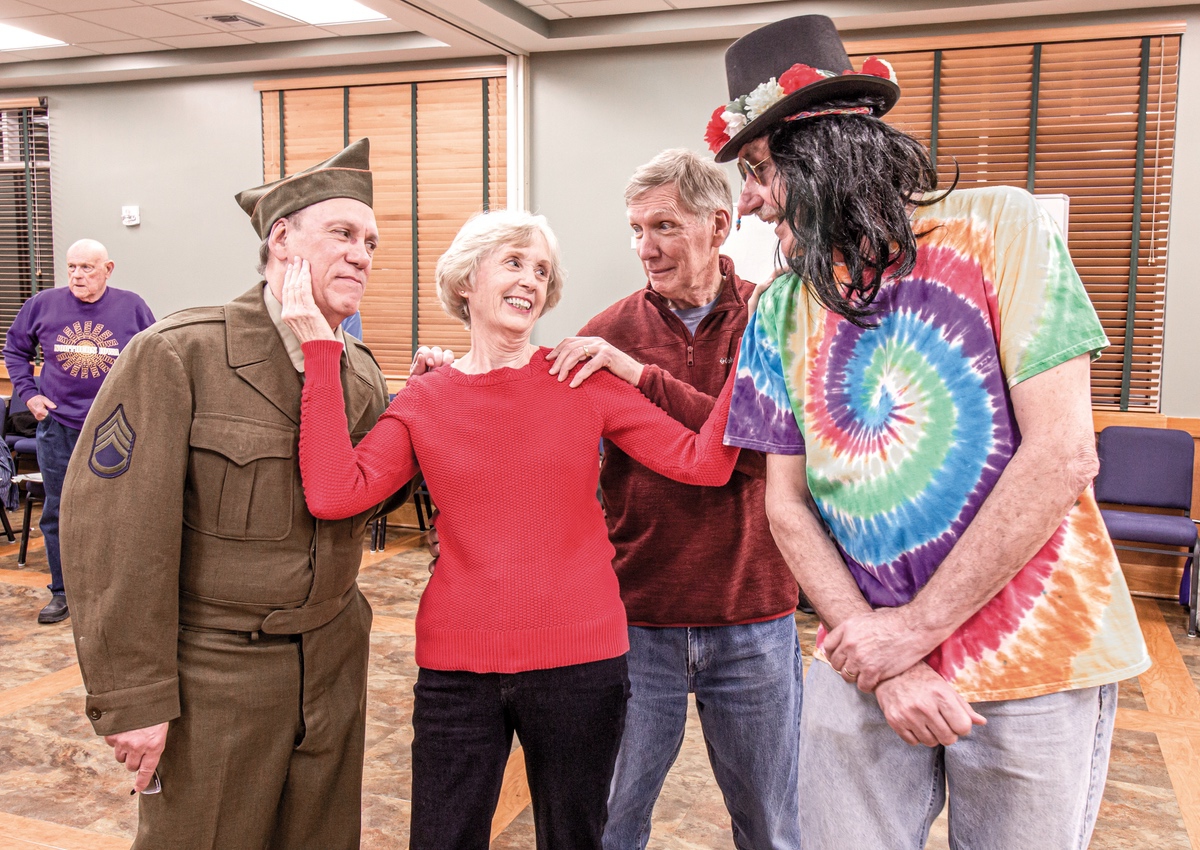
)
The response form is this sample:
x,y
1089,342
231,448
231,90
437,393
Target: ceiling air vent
x,y
235,22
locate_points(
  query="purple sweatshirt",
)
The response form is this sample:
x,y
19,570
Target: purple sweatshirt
x,y
79,341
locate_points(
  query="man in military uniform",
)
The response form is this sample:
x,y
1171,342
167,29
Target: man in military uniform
x,y
219,626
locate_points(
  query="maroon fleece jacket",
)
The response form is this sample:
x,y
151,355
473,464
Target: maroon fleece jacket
x,y
688,555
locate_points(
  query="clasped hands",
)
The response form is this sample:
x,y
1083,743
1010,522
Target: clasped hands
x,y
882,653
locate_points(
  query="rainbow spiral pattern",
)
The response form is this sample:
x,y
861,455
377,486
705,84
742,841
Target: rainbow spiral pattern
x,y
907,427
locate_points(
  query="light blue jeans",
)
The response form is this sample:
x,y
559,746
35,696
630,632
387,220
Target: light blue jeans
x,y
747,680
1031,778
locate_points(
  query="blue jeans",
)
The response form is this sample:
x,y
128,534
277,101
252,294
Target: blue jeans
x,y
747,682
55,442
1031,778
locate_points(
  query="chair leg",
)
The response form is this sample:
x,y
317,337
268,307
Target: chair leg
x,y
1194,608
420,514
8,529
382,533
25,531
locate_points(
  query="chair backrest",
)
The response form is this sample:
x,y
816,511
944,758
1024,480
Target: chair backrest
x,y
1145,466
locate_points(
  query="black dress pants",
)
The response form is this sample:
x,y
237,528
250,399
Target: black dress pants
x,y
569,721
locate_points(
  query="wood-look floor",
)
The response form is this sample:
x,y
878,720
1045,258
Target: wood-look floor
x,y
59,787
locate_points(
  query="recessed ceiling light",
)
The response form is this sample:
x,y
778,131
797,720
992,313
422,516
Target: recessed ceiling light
x,y
12,38
321,12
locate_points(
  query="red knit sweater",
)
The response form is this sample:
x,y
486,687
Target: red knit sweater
x,y
524,580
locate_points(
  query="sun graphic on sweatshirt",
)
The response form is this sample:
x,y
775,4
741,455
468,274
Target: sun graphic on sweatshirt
x,y
86,350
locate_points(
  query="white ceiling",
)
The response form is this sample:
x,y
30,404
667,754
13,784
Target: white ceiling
x,y
109,40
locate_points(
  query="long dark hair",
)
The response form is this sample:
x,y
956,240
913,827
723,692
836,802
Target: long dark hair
x,y
849,179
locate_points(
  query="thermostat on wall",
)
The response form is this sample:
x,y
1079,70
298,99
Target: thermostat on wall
x,y
130,216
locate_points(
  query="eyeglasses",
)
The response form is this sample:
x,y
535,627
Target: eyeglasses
x,y
747,168
155,786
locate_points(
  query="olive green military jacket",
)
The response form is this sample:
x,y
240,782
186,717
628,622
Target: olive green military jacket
x,y
183,505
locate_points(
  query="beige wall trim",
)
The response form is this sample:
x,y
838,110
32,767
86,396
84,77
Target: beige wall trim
x,y
20,103
1103,418
518,132
382,79
997,39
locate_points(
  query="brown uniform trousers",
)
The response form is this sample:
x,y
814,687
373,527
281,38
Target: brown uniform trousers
x,y
204,593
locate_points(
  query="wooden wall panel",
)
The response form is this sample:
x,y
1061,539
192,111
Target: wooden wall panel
x,y
449,191
384,115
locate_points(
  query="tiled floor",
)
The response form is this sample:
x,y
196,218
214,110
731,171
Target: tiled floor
x,y
59,787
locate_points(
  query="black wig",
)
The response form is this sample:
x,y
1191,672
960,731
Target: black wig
x,y
849,180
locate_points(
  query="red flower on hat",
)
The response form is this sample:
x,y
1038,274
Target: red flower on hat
x,y
798,76
715,133
877,67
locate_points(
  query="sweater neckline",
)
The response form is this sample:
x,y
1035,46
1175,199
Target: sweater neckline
x,y
537,363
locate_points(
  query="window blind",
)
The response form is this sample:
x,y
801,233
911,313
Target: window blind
x,y
26,235
1091,119
438,153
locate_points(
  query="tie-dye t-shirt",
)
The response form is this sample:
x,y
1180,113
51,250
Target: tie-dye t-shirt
x,y
907,426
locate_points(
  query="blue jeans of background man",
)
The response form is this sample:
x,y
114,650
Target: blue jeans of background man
x,y
55,442
747,682
1031,778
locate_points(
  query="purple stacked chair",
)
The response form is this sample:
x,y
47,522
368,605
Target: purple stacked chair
x,y
1151,467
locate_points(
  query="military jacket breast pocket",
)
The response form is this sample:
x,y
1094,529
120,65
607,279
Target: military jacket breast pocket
x,y
241,478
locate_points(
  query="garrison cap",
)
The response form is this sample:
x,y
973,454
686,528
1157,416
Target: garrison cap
x,y
346,174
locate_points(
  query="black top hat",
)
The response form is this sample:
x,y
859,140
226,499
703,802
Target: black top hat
x,y
793,68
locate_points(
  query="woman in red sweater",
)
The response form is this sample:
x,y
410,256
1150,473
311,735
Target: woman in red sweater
x,y
521,627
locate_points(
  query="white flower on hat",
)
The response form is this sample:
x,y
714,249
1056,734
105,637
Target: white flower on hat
x,y
763,98
734,122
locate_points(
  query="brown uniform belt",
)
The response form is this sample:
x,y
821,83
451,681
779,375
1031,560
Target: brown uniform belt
x,y
201,612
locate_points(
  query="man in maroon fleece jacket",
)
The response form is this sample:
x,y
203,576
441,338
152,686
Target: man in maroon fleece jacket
x,y
709,598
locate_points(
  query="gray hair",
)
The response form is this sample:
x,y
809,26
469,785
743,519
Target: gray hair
x,y
264,247
700,183
480,236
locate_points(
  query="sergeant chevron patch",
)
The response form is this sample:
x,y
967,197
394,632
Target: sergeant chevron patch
x,y
112,448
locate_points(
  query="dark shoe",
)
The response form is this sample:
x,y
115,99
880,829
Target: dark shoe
x,y
56,611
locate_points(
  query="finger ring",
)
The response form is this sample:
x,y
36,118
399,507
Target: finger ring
x,y
586,353
848,674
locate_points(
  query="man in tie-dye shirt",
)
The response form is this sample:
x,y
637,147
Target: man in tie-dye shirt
x,y
919,381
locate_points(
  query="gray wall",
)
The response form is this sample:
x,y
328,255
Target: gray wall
x,y
1181,355
597,115
179,150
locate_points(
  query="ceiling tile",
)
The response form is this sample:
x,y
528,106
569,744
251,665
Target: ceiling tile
x,y
705,4
67,51
146,22
69,7
364,28
69,29
131,45
550,13
17,9
212,39
593,8
284,34
197,9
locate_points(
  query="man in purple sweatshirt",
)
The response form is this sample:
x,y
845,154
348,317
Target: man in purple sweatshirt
x,y
80,328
